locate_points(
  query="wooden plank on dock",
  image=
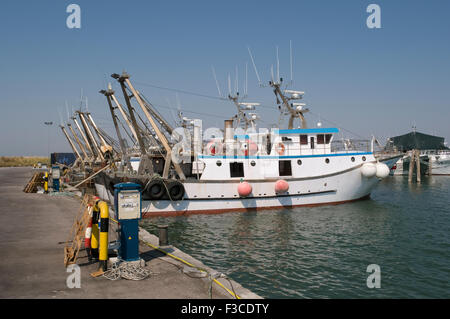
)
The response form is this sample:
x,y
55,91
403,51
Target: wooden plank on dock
x,y
76,235
36,179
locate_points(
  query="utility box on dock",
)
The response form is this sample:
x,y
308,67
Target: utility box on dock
x,y
127,203
56,174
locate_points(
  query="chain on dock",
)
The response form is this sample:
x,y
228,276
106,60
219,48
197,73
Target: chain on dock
x,y
127,271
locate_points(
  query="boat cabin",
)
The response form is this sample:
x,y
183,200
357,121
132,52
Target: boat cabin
x,y
302,141
265,155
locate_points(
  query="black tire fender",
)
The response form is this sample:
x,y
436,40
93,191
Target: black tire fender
x,y
175,189
155,189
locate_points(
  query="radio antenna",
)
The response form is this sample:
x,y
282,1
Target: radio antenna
x,y
60,117
81,98
236,82
254,66
171,112
290,54
246,80
278,66
67,110
271,72
217,82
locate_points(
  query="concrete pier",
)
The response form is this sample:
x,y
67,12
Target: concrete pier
x,y
34,229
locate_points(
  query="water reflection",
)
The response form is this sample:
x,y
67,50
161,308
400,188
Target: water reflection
x,y
323,252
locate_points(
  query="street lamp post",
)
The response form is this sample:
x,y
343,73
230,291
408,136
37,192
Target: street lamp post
x,y
48,139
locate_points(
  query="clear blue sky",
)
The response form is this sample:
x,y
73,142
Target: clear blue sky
x,y
369,81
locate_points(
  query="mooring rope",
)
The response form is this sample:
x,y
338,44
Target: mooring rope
x,y
126,270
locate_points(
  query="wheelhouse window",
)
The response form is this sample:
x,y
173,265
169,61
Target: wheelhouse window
x,y
303,139
284,168
323,138
237,169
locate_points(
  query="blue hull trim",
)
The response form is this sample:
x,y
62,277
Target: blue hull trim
x,y
286,156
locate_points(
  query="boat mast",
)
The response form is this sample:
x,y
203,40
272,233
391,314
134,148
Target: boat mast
x,y
99,134
124,116
90,136
295,95
162,138
72,145
294,109
80,144
241,116
121,80
107,93
87,144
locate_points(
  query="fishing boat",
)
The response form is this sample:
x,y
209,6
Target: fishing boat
x,y
242,167
439,162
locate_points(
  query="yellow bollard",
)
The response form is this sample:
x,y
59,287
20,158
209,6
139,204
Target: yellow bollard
x,y
46,182
104,225
95,232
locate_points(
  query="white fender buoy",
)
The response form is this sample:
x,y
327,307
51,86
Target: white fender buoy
x,y
244,189
382,170
368,170
281,186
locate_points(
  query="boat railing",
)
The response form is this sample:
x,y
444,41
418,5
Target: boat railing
x,y
350,145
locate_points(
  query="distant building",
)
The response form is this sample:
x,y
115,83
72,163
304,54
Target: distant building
x,y
416,140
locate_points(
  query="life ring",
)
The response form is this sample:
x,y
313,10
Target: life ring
x,y
280,148
214,148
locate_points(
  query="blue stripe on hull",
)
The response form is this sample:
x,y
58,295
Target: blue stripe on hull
x,y
285,156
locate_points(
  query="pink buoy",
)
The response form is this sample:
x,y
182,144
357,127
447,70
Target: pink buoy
x,y
244,189
281,186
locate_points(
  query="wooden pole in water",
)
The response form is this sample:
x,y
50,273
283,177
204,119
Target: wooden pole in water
x,y
430,165
418,166
411,165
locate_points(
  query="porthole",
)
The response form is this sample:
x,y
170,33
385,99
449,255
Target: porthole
x,y
252,163
327,160
353,159
219,163
363,158
299,162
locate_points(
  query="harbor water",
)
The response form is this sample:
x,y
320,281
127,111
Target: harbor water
x,y
324,252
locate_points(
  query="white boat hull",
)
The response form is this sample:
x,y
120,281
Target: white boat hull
x,y
440,164
338,188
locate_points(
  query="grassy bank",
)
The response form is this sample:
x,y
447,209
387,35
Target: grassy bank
x,y
17,161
